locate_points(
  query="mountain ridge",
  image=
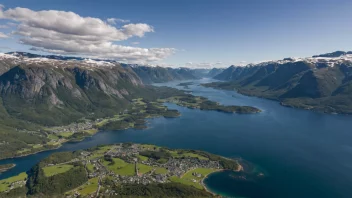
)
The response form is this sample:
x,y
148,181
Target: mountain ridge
x,y
321,83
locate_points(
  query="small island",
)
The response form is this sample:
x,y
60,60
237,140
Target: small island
x,y
185,85
202,103
6,167
120,170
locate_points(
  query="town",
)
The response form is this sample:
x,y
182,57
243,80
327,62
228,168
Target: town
x,y
141,164
107,170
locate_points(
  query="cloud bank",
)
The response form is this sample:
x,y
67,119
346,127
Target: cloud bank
x,y
203,65
68,33
114,21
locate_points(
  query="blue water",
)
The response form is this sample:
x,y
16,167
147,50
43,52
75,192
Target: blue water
x,y
303,153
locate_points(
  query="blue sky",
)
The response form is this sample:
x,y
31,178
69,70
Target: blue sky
x,y
214,32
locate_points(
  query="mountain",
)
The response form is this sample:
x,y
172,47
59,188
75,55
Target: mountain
x,y
334,54
200,73
214,72
37,93
62,88
161,74
322,82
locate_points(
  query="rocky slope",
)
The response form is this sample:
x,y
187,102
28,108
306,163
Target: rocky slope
x,y
46,91
161,74
322,82
214,72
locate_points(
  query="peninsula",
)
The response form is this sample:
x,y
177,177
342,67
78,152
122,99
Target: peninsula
x,y
120,170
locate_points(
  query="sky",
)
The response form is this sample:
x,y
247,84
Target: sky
x,y
192,33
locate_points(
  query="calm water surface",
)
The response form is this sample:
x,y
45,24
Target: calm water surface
x,y
301,153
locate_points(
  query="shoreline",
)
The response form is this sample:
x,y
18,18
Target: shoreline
x,y
73,141
239,169
24,155
6,169
281,103
51,149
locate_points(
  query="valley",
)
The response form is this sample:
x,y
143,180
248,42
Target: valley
x,y
46,101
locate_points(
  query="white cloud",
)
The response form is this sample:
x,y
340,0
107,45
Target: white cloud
x,y
4,26
135,43
68,33
2,35
204,65
114,21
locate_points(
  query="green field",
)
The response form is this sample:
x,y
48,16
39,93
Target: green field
x,y
65,134
188,178
142,168
37,146
52,143
91,131
149,147
203,171
5,183
118,163
128,170
175,154
53,137
138,101
161,171
120,167
107,120
100,152
54,170
185,182
88,188
23,150
102,123
142,158
90,167
96,155
104,149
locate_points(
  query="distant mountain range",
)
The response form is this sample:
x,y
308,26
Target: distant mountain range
x,y
322,82
147,74
40,91
214,72
46,88
161,74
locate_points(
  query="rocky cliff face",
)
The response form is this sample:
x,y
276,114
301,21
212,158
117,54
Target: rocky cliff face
x,y
214,72
161,74
45,91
